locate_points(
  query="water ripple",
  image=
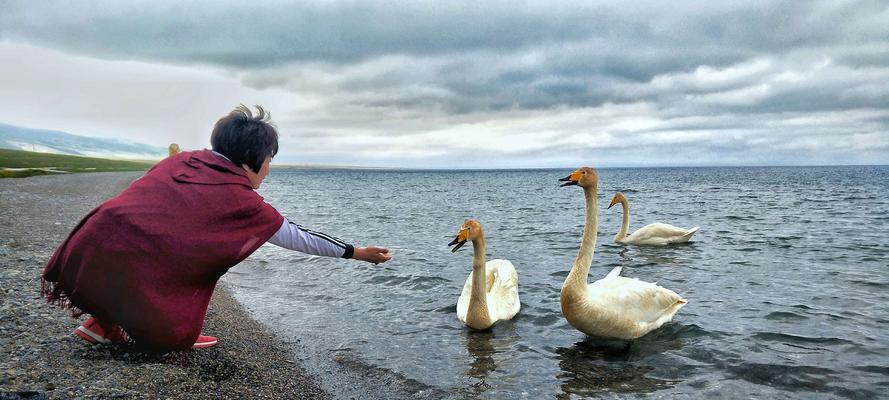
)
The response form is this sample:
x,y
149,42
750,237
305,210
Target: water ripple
x,y
786,282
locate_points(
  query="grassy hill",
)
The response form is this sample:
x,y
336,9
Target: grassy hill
x,y
17,164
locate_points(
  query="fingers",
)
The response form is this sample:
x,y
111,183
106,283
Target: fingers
x,y
373,254
377,249
378,257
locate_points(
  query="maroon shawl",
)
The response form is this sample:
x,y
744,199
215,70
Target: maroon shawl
x,y
149,258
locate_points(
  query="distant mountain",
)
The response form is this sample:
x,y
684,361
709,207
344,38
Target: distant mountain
x,y
46,141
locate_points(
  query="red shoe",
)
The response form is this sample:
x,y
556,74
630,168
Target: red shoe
x,y
204,341
96,332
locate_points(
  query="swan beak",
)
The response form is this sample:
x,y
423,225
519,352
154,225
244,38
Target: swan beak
x,y
613,202
458,242
568,181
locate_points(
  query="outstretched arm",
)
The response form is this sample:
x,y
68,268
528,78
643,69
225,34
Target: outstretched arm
x,y
295,237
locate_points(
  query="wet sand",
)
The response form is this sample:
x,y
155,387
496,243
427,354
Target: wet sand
x,y
39,353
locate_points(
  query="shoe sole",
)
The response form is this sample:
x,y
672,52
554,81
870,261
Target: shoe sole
x,y
90,336
204,345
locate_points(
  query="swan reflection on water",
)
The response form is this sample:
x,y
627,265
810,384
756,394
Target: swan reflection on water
x,y
482,351
596,366
482,347
482,365
675,255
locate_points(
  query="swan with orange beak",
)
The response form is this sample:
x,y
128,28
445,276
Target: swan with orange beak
x,y
656,234
491,292
614,306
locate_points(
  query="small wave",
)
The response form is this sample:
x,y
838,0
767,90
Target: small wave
x,y
426,282
790,377
388,280
874,369
684,330
787,238
851,198
447,309
784,338
870,283
543,320
785,316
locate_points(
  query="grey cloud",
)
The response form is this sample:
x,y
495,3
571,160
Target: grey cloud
x,y
583,54
243,34
731,73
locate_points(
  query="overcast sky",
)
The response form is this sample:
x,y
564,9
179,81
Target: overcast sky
x,y
458,84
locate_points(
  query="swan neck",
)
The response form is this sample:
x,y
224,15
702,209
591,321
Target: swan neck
x,y
577,278
478,253
625,222
477,316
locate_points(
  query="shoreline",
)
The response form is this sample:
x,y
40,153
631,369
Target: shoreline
x,y
41,354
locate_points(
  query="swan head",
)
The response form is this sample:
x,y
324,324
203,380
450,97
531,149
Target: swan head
x,y
618,197
584,177
470,230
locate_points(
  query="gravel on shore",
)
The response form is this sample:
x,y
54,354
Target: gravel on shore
x,y
39,353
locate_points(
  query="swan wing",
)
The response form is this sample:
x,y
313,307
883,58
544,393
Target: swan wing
x,y
463,301
503,289
660,234
648,304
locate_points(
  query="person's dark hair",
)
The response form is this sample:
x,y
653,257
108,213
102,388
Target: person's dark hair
x,y
245,139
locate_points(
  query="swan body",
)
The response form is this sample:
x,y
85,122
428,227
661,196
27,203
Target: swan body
x,y
656,234
614,306
502,293
491,292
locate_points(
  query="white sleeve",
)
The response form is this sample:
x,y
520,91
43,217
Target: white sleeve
x,y
294,237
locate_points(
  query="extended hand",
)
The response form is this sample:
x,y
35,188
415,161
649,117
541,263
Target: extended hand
x,y
372,254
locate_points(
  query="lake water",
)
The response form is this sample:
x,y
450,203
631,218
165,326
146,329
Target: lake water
x,y
787,283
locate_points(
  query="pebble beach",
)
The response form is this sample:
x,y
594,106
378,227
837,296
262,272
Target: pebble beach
x,y
40,356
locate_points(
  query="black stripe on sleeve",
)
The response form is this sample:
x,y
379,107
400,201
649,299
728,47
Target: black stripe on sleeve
x,y
350,250
331,239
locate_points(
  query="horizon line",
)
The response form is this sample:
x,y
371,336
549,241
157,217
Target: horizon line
x,y
358,167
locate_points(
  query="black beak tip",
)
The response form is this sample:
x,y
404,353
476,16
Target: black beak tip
x,y
458,245
609,206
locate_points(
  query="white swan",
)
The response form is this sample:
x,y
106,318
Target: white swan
x,y
491,292
614,306
656,234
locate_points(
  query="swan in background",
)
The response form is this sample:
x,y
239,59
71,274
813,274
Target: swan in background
x,y
491,292
614,306
656,234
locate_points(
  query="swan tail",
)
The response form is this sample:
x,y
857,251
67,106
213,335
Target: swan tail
x,y
668,313
614,272
673,309
687,236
